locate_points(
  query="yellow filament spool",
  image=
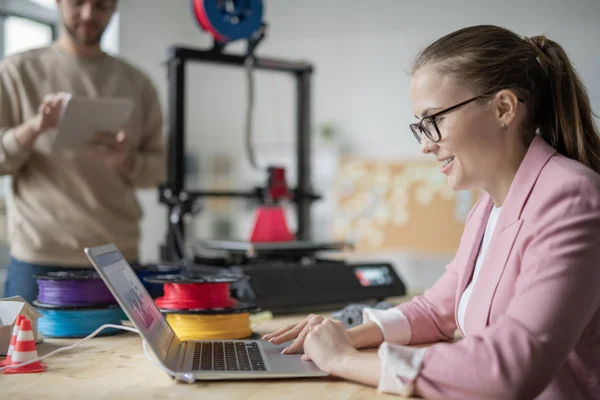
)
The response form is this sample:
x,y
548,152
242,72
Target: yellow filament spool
x,y
210,327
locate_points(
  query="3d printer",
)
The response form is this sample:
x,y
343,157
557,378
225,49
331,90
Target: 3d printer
x,y
287,270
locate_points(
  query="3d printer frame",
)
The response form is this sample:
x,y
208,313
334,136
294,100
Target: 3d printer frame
x,y
179,200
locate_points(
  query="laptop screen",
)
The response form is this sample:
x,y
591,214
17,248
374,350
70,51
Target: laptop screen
x,y
135,300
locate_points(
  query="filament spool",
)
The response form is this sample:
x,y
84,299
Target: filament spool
x,y
199,307
196,291
75,304
155,290
73,289
196,325
239,20
76,322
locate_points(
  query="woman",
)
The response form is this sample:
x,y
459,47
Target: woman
x,y
510,116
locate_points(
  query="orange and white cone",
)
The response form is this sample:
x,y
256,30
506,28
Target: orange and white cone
x,y
25,350
13,341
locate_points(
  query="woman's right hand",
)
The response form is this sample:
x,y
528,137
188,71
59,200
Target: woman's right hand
x,y
295,331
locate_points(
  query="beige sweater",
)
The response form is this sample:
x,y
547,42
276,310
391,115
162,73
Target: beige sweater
x,y
62,202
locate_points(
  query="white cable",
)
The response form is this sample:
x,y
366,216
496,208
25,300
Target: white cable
x,y
249,64
91,335
153,360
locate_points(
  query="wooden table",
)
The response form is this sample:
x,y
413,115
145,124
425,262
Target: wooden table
x,y
115,367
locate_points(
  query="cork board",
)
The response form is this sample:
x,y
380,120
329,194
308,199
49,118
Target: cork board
x,y
403,206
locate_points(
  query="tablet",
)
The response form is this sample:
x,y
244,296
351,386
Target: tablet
x,y
83,117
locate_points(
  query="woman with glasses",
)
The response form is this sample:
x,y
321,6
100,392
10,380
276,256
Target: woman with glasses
x,y
510,116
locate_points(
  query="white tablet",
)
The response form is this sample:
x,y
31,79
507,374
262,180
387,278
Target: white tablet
x,y
83,117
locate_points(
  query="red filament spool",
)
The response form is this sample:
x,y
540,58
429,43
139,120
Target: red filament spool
x,y
186,296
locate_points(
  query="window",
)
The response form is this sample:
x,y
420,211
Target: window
x,y
26,24
110,39
51,4
22,34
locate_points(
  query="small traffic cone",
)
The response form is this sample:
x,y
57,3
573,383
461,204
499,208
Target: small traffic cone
x,y
13,341
25,350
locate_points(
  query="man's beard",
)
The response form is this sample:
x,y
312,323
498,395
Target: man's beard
x,y
87,42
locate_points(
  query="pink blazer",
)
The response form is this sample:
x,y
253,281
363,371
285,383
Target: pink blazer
x,y
533,319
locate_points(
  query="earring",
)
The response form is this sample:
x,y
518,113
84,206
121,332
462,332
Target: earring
x,y
505,127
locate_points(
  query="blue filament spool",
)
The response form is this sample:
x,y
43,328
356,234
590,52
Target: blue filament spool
x,y
63,322
229,20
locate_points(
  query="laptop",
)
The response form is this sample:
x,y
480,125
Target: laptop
x,y
189,361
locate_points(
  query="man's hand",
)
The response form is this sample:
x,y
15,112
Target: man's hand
x,y
115,150
46,119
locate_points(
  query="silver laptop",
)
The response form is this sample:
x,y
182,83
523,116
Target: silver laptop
x,y
192,360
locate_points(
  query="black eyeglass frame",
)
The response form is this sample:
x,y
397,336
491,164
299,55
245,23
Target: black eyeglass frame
x,y
418,126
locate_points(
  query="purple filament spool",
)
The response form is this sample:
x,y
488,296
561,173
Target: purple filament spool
x,y
75,292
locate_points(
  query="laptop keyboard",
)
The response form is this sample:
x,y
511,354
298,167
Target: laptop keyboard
x,y
227,356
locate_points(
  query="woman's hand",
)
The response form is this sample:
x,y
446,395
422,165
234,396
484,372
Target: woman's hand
x,y
294,331
328,345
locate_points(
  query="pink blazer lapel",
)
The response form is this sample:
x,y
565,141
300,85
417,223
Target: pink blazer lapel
x,y
473,235
503,238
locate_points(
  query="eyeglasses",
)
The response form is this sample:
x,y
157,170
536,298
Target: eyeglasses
x,y
428,126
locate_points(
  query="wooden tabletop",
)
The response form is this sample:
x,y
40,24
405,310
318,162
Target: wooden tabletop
x,y
115,367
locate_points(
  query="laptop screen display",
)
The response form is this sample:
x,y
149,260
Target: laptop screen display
x,y
136,301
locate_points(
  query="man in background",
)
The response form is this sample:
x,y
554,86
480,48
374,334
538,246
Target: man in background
x,y
63,201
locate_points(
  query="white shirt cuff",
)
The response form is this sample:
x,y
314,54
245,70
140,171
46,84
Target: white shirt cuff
x,y
392,322
398,363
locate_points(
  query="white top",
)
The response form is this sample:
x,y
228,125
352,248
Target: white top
x,y
464,299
